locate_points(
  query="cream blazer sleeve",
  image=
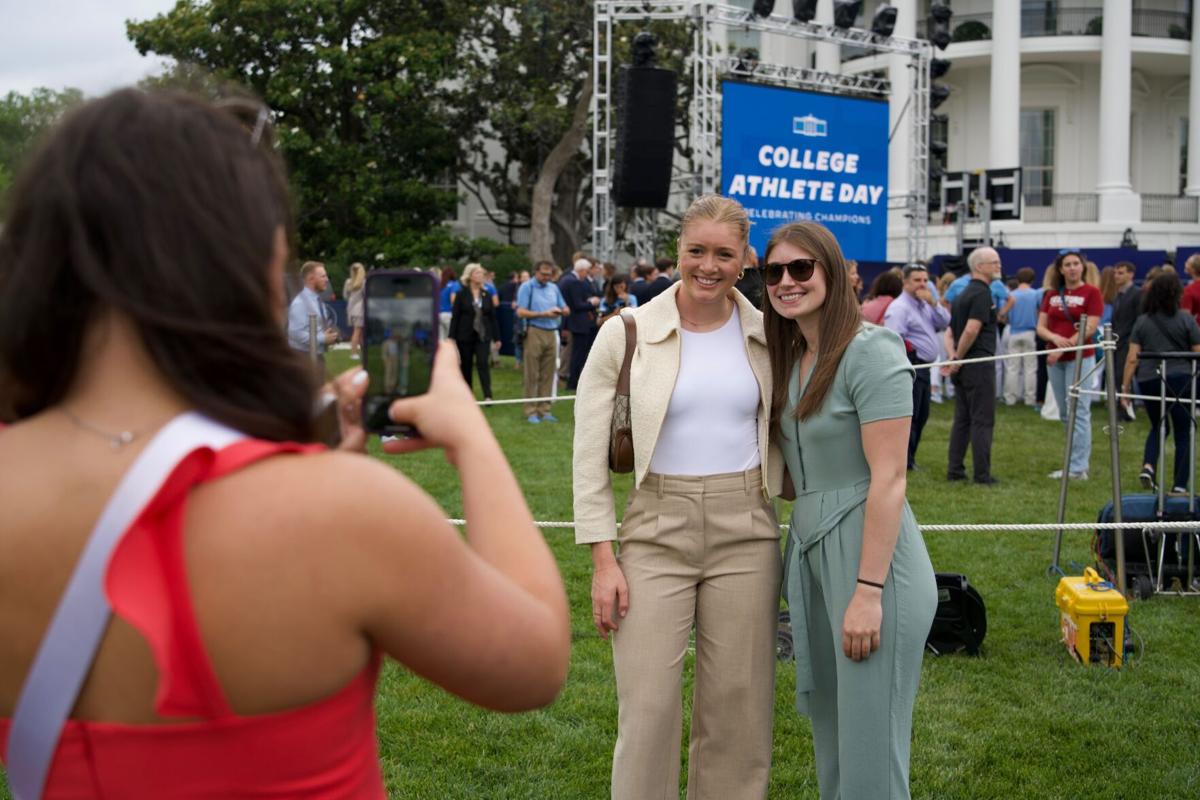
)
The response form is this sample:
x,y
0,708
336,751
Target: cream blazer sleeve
x,y
595,514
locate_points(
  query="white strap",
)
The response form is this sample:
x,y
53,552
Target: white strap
x,y
65,655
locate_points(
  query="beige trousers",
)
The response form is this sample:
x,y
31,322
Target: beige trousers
x,y
538,363
703,552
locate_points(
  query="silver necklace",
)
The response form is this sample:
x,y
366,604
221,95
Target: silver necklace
x,y
116,441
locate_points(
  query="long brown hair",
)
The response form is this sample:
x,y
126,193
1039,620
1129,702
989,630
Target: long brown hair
x,y
840,320
163,208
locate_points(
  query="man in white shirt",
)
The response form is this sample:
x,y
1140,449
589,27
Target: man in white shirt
x,y
308,303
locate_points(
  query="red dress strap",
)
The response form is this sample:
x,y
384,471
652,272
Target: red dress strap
x,y
147,581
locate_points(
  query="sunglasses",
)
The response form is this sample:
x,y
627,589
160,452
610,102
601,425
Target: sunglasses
x,y
801,269
1070,251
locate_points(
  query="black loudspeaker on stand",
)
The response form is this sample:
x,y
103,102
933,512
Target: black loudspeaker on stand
x,y
645,137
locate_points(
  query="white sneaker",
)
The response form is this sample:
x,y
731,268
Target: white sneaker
x,y
1075,476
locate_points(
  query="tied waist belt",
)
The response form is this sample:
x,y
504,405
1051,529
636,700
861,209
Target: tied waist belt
x,y
815,514
746,482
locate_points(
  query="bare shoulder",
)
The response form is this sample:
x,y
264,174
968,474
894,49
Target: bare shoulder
x,y
310,502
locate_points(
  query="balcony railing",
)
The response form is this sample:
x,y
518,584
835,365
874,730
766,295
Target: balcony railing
x,y
1060,208
1081,21
1170,208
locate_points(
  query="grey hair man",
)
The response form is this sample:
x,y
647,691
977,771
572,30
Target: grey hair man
x,y
972,334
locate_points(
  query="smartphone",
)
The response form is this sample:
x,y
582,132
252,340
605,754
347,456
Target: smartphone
x,y
399,341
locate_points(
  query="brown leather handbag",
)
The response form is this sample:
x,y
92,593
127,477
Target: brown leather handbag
x,y
620,441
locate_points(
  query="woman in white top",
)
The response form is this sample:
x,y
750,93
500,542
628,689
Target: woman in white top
x,y
699,542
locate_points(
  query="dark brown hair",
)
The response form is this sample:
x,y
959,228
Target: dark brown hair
x,y
159,207
610,291
840,320
1163,294
886,284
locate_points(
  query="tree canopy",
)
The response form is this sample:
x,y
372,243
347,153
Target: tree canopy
x,y
24,118
364,102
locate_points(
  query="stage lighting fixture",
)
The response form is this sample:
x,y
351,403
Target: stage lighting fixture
x,y
845,12
939,25
939,119
938,94
937,148
804,10
644,49
884,21
763,8
938,67
747,60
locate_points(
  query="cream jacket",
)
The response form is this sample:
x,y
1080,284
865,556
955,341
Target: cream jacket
x,y
651,383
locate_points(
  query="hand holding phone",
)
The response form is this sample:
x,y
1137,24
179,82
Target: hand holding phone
x,y
447,416
400,337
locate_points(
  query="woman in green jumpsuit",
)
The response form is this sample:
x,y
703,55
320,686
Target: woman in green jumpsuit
x,y
857,575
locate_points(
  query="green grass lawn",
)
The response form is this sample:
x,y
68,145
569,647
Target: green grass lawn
x,y
1023,721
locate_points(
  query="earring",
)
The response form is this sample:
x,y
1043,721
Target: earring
x,y
741,274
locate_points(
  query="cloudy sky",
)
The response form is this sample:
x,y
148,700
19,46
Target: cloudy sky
x,y
80,43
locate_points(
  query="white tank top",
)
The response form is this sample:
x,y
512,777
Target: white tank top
x,y
711,425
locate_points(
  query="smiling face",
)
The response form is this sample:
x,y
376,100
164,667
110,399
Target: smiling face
x,y
791,299
710,258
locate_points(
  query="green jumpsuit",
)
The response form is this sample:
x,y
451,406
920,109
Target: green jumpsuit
x,y
861,711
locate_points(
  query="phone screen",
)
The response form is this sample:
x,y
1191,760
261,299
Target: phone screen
x,y
399,341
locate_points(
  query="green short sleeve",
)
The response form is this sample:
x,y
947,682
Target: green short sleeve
x,y
879,377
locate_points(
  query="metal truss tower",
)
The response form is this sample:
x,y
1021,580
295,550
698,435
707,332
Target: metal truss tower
x,y
708,67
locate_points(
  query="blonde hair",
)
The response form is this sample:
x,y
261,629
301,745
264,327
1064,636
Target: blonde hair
x,y
309,268
715,208
1192,265
358,276
468,272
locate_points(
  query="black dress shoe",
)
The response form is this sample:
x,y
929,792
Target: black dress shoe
x,y
988,481
956,477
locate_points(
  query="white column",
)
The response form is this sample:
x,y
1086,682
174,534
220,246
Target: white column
x,y
1117,203
1193,170
1004,118
899,108
829,56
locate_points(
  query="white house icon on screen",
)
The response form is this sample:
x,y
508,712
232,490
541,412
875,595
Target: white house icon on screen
x,y
808,125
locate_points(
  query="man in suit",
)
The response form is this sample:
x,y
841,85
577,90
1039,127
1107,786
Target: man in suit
x,y
308,304
582,299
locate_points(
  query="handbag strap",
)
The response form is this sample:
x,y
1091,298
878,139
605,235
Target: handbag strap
x,y
69,646
630,347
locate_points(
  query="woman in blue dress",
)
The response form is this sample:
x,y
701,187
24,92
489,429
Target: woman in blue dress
x,y
858,578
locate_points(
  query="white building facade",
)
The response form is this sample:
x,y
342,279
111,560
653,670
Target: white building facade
x,y
1091,98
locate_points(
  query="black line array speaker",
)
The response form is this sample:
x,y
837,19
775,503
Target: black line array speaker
x,y
645,137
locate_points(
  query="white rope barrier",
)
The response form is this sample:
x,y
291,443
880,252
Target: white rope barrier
x,y
979,360
1006,356
519,400
1187,401
998,526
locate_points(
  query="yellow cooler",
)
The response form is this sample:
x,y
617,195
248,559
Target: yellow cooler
x,y
1092,615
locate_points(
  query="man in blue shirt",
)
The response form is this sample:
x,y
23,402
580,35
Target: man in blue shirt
x,y
541,305
918,317
308,304
1020,374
